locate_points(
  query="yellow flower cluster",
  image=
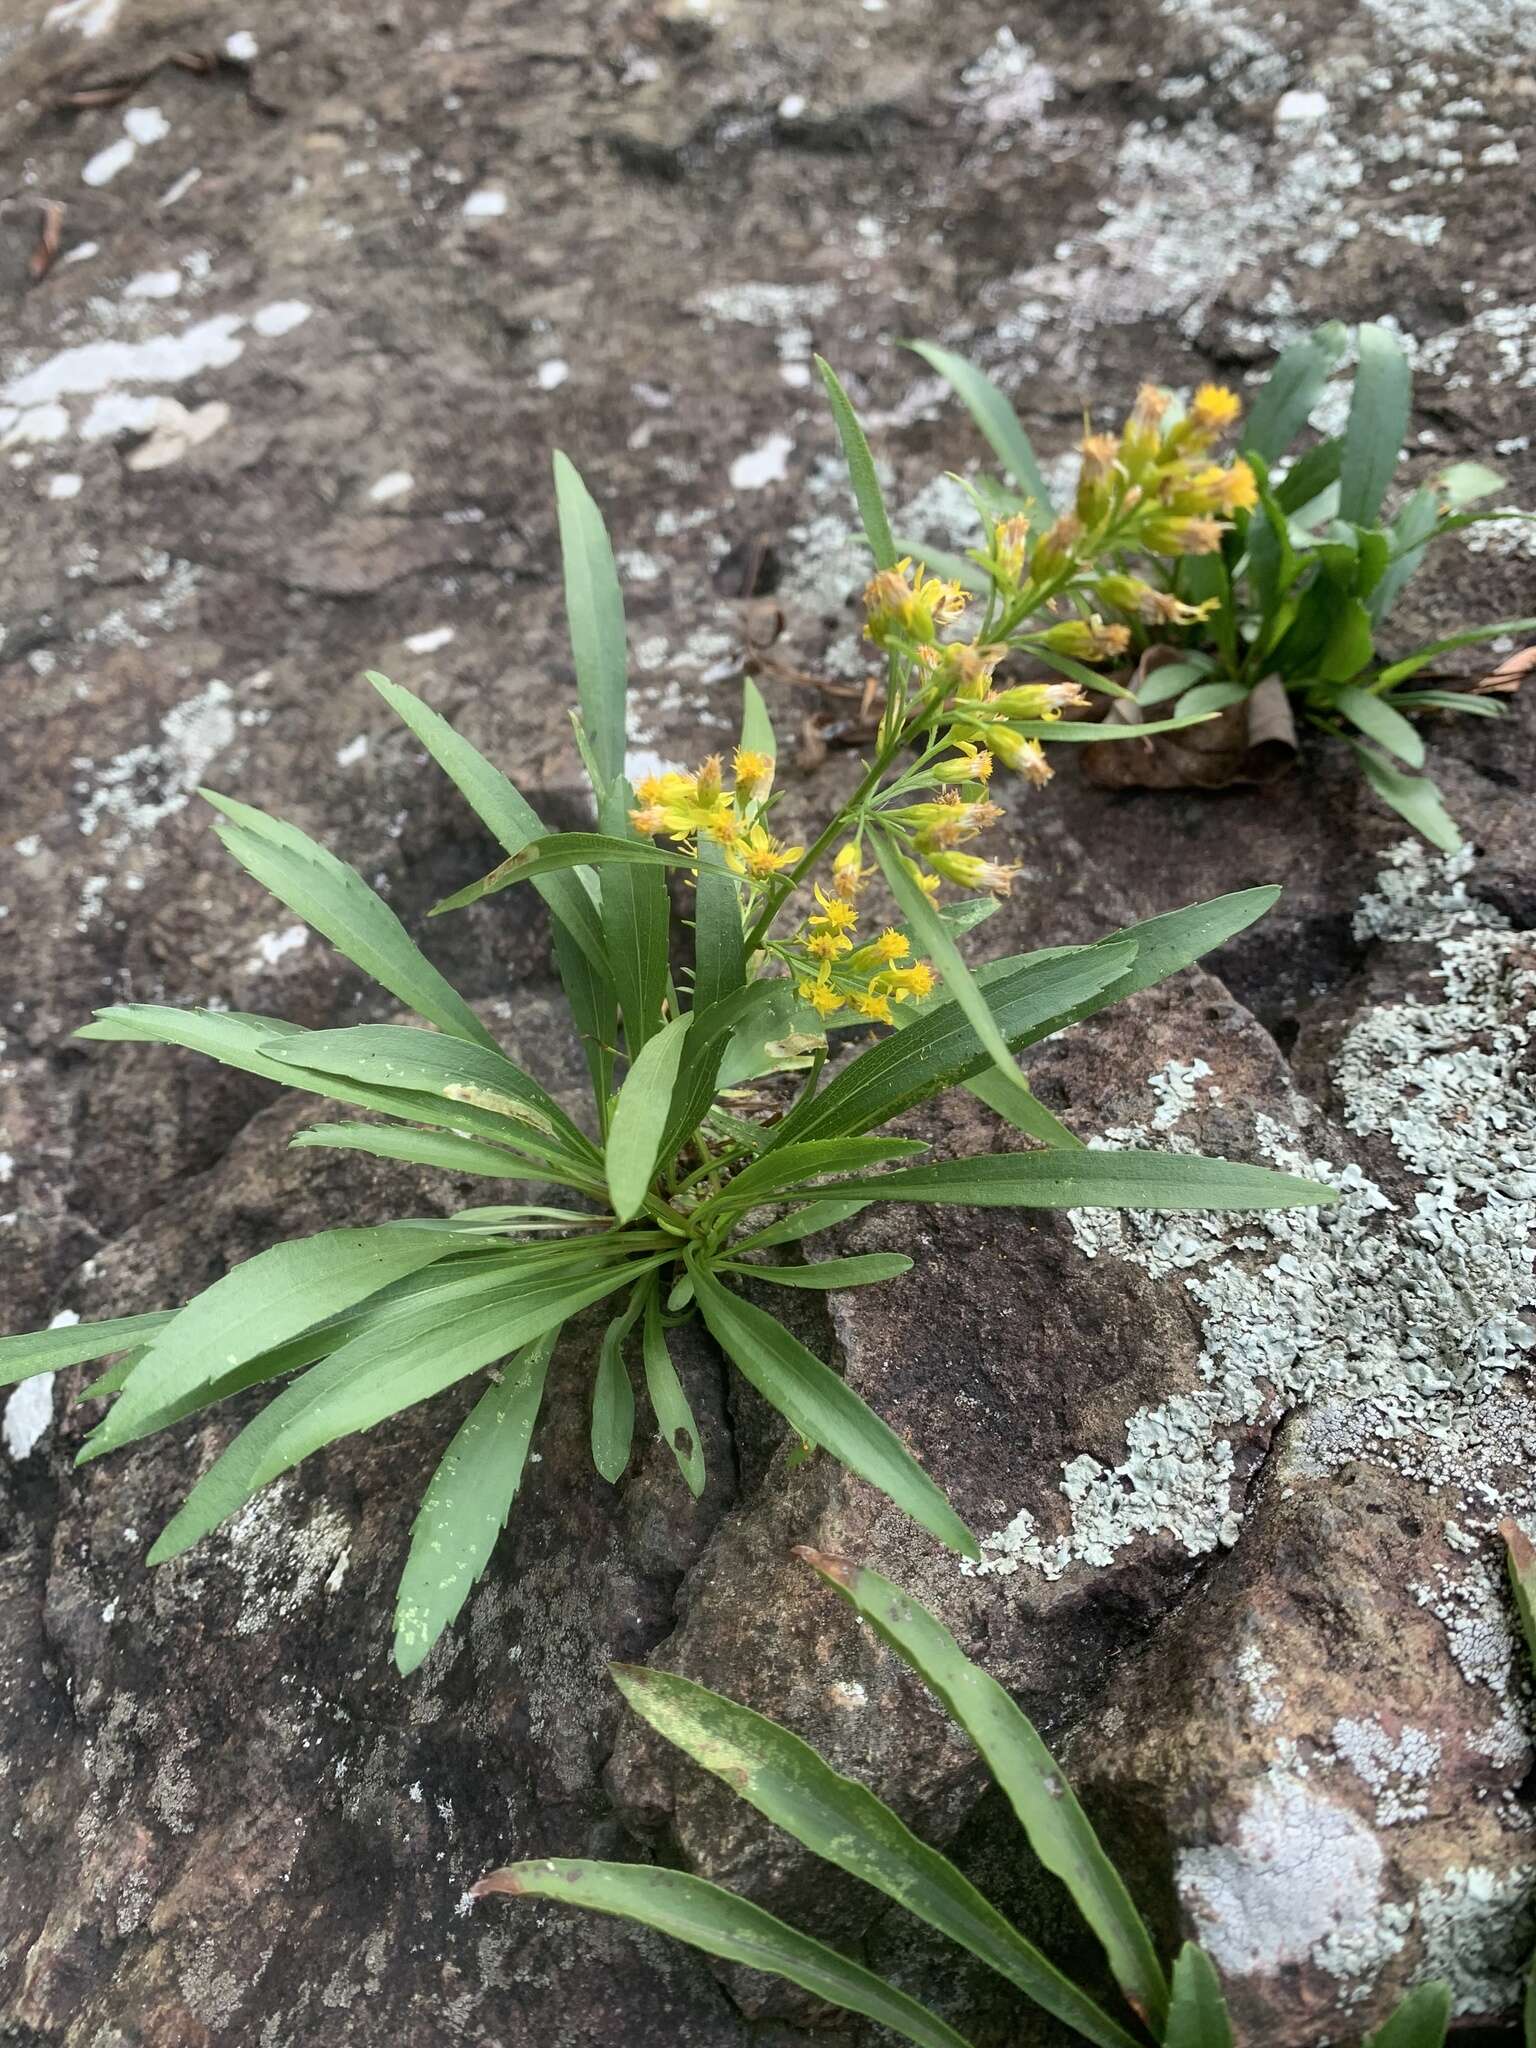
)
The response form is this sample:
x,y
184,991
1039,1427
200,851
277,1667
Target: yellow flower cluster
x,y
835,974
1161,474
904,609
690,807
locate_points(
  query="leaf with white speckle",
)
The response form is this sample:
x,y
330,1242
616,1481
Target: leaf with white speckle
x,y
466,1504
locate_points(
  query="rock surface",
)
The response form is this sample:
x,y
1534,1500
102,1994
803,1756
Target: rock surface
x,y
330,284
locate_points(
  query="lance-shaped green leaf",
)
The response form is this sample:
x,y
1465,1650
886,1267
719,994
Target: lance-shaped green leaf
x,y
861,471
866,1269
474,1318
1423,656
242,1042
336,900
594,609
275,1363
417,1148
264,1301
640,1118
844,1823
669,1403
1421,2021
560,851
1413,797
997,420
637,915
1028,998
1412,530
719,951
1059,1831
1308,492
1171,680
1089,1179
800,1223
501,809
794,1165
1197,2012
398,1056
1378,423
613,1398
74,1344
466,1504
824,1409
1379,722
710,1918
757,735
1087,731
1291,390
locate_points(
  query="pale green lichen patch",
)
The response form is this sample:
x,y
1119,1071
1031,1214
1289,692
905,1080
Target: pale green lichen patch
x,y
1388,1324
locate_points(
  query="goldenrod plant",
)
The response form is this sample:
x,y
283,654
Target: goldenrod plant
x,y
716,1140
1270,564
843,1822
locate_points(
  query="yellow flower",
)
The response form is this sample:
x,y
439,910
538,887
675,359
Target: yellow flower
x,y
754,774
821,996
827,945
969,763
650,821
1214,408
965,670
1034,701
1024,757
1152,606
849,873
836,914
875,1007
1010,541
970,871
1175,533
1086,639
917,980
709,783
1212,489
757,854
901,607
950,822
1056,548
889,947
1143,437
670,788
1096,478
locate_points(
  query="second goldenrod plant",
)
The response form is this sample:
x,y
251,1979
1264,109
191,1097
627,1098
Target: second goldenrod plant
x,y
714,1142
1271,567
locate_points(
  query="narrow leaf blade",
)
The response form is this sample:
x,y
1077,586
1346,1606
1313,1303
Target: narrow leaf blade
x,y
669,1403
640,1118
933,936
861,471
1089,1179
824,1409
708,1917
594,607
265,1300
1378,424
21,1358
1380,722
1197,2012
1059,1831
843,1822
466,1504
999,423
338,903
